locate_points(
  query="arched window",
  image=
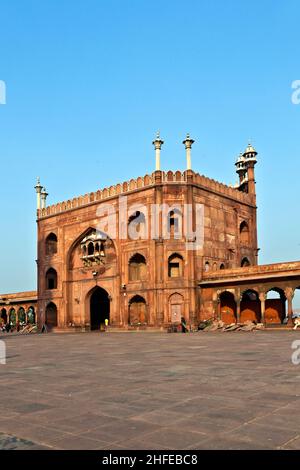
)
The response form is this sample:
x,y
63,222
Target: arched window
x,y
51,315
51,279
137,225
90,248
214,266
245,262
244,233
175,265
174,223
222,266
51,244
137,268
206,267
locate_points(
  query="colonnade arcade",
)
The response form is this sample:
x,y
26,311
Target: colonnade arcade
x,y
13,314
263,303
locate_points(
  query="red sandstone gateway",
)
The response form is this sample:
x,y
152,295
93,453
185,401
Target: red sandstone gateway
x,y
85,276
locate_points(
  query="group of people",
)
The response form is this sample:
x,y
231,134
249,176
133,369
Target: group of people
x,y
10,327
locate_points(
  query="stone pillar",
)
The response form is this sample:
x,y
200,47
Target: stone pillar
x,y
262,298
188,142
238,310
157,144
289,293
219,309
38,188
215,309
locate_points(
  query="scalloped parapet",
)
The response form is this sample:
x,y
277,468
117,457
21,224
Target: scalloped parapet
x,y
144,182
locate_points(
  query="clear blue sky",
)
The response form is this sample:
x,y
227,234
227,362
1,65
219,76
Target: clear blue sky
x,y
89,83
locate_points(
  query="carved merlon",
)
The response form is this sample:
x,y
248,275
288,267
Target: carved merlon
x,y
146,181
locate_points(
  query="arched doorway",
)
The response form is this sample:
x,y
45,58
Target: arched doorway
x,y
275,310
250,307
12,316
228,308
175,308
31,315
21,316
4,315
137,311
245,263
99,308
51,315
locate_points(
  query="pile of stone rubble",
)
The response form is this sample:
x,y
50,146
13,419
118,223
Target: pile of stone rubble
x,y
219,325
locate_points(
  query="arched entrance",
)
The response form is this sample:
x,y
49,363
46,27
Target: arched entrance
x,y
51,315
99,308
227,307
21,316
3,316
275,311
12,316
137,311
250,307
175,308
31,315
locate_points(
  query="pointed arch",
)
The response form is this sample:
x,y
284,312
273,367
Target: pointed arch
x,y
250,306
137,267
51,315
137,314
21,315
51,279
175,265
275,305
77,241
245,262
98,307
3,315
51,244
176,308
244,233
228,307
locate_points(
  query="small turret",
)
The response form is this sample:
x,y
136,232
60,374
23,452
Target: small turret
x,y
241,168
250,161
44,195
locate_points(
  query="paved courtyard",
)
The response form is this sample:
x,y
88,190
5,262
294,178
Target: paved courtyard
x,y
150,391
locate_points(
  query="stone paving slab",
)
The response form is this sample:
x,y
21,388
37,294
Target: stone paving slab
x,y
150,391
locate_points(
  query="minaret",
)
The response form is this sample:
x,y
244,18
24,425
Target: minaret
x,y
157,144
38,188
188,142
240,168
44,195
250,161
